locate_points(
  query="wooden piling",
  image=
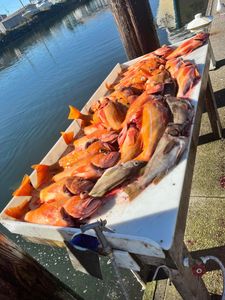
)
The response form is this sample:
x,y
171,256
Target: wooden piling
x,y
22,278
135,23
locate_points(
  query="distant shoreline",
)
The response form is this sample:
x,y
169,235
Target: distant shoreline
x,y
49,17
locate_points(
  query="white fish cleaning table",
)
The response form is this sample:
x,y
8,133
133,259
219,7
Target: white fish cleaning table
x,y
149,231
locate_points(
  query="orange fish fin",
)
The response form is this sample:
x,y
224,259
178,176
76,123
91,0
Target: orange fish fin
x,y
43,173
75,114
197,74
25,188
19,211
68,137
109,86
143,156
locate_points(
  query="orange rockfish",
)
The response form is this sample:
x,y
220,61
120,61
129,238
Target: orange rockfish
x,y
157,82
90,167
54,191
124,95
50,213
173,66
155,117
135,110
110,114
81,208
130,143
71,158
187,77
164,51
103,135
190,45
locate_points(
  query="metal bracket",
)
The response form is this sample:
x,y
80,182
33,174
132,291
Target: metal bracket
x,y
99,227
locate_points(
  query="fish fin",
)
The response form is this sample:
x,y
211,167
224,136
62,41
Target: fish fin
x,y
181,151
43,173
75,114
169,146
109,86
159,177
19,211
197,74
68,137
25,188
132,190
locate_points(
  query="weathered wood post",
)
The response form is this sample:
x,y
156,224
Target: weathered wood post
x,y
21,277
135,23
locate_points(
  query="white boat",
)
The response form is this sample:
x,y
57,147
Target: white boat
x,y
43,5
30,12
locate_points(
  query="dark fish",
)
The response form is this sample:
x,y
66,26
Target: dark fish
x,y
181,109
114,176
78,185
167,154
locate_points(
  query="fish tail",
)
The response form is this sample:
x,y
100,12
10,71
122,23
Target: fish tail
x,y
43,173
109,86
68,136
132,190
75,114
25,188
19,211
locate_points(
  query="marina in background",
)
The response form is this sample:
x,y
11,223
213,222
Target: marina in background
x,y
58,62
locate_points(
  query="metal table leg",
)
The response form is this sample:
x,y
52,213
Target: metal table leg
x,y
188,285
212,58
211,108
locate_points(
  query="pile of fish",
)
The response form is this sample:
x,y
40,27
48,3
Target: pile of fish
x,y
129,139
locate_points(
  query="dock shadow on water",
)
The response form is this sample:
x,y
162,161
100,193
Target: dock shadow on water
x,y
58,62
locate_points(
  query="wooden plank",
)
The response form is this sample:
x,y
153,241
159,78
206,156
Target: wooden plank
x,y
21,277
135,23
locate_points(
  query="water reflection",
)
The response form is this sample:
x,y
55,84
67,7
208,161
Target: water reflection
x,y
166,14
170,15
173,15
44,30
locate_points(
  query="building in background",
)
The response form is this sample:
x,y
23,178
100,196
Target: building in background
x,y
18,18
57,1
2,17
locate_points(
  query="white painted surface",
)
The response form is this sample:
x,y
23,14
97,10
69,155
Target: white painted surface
x,y
145,225
124,260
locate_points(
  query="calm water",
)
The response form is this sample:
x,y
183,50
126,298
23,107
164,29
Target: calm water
x,y
58,64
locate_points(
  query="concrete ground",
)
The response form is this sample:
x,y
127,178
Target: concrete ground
x,y
205,228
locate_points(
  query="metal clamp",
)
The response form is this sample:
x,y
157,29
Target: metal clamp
x,y
99,227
